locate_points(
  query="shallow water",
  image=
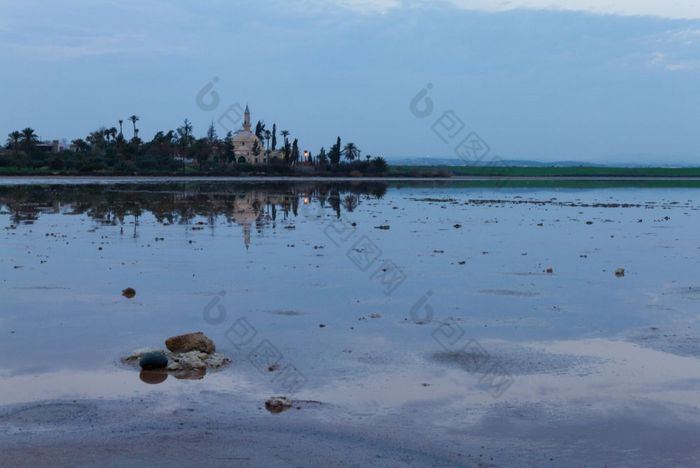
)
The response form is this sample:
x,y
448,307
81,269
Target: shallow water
x,y
458,307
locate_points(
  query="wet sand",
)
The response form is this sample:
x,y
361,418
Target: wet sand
x,y
212,430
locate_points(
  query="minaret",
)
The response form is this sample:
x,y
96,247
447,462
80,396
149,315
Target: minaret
x,y
246,122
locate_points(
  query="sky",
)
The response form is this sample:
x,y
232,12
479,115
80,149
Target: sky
x,y
549,80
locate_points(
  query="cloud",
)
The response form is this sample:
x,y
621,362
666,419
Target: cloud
x,y
363,7
91,46
677,9
659,59
676,50
78,29
369,6
684,37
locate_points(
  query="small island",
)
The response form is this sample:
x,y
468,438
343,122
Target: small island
x,y
246,152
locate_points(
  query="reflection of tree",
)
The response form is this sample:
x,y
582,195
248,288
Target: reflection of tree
x,y
246,204
350,203
334,200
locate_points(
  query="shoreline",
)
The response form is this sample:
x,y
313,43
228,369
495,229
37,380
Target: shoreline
x,y
226,178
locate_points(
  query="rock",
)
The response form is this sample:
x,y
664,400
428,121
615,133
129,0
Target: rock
x,y
190,342
620,272
129,293
216,360
278,404
196,360
190,365
189,360
153,360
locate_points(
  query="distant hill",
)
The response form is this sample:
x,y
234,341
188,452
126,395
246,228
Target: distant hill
x,y
516,163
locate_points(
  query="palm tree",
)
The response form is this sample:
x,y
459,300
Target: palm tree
x,y
81,145
185,133
97,139
13,140
351,152
134,119
29,139
121,122
285,134
260,130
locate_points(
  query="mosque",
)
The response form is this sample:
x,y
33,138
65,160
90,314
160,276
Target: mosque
x,y
246,145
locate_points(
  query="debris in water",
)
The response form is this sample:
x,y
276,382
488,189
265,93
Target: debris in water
x,y
129,293
277,405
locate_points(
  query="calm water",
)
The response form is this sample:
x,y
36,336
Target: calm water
x,y
475,309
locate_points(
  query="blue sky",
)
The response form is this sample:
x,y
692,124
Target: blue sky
x,y
601,81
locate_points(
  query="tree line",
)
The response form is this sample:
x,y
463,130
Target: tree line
x,y
175,151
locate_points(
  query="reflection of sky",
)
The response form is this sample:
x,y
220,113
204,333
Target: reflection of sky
x,y
72,324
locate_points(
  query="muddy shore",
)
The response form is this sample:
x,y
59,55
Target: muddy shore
x,y
223,430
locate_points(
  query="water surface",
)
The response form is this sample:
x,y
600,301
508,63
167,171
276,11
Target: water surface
x,y
469,311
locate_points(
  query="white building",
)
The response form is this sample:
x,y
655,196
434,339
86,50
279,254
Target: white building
x,y
246,146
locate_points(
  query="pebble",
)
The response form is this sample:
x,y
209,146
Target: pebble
x,y
153,361
278,404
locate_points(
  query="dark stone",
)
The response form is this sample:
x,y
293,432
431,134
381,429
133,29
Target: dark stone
x,y
153,361
278,405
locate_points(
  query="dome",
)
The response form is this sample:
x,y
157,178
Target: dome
x,y
245,136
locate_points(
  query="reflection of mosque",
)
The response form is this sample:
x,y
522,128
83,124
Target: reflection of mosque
x,y
248,210
253,207
258,209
